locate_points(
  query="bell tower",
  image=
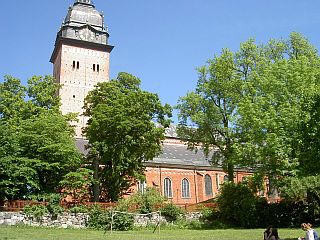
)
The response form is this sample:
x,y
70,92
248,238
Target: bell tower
x,y
81,57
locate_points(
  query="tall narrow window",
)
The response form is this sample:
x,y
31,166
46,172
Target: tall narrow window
x,y
185,187
74,65
94,67
208,185
217,181
142,185
78,65
167,188
98,68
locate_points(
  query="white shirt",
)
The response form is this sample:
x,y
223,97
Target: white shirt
x,y
309,234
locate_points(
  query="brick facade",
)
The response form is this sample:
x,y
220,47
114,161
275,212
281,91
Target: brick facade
x,y
78,69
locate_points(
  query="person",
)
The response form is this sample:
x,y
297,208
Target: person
x,y
309,232
271,233
267,233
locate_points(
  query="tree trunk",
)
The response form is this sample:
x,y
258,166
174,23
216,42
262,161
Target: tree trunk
x,y
230,172
96,187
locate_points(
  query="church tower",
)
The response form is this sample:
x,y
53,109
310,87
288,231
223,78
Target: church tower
x,y
80,57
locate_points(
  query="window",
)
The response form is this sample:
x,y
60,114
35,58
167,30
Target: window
x,y
208,185
74,65
142,185
167,188
78,65
185,186
218,181
74,96
94,67
98,68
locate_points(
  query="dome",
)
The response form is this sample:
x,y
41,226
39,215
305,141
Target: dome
x,y
84,12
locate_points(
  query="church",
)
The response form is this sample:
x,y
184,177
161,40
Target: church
x,y
80,60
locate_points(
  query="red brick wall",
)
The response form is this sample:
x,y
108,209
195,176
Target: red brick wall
x,y
155,178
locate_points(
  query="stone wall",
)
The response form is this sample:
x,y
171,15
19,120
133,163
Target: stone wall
x,y
63,221
71,220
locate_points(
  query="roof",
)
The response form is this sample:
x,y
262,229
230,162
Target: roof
x,y
172,154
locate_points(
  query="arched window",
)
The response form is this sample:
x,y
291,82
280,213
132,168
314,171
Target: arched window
x,y
185,187
167,188
208,185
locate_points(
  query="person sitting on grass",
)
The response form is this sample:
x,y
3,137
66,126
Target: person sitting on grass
x,y
310,233
271,233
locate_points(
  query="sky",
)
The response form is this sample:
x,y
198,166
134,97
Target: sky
x,y
160,41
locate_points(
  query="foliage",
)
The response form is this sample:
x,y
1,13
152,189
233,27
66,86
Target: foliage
x,y
305,191
171,212
207,115
276,105
237,205
77,184
36,141
79,209
257,108
122,132
51,205
146,202
100,219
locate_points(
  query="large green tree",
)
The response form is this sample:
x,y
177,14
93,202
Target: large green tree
x,y
276,111
254,107
122,132
36,141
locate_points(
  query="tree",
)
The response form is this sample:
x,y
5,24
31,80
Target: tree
x,y
36,141
208,116
272,113
249,107
122,132
77,185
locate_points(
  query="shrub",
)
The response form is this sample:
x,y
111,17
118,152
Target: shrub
x,y
53,207
237,205
101,219
36,211
143,202
79,209
171,212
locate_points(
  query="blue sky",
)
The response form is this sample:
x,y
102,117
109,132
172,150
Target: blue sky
x,y
160,41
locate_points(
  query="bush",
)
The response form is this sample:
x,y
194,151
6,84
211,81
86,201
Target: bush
x,y
147,202
36,211
101,220
79,209
237,205
171,212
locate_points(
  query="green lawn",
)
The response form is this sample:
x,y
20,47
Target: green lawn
x,y
29,233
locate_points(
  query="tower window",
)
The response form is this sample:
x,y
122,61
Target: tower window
x,y
94,67
78,65
74,96
98,68
74,65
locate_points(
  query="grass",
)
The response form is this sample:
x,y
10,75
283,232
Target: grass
x,y
32,233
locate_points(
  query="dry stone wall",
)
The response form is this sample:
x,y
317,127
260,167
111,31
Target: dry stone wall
x,y
79,220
